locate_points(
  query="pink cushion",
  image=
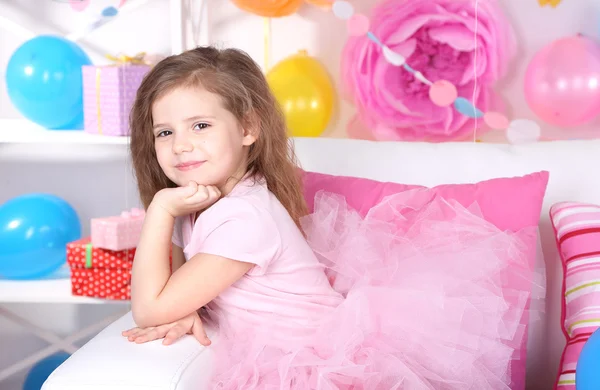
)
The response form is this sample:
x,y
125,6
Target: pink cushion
x,y
511,204
577,230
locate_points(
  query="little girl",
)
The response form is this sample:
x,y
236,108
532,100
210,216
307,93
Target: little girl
x,y
297,301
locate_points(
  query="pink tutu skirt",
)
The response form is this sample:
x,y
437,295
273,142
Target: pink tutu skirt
x,y
435,298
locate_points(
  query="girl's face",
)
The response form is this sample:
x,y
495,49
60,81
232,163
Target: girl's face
x,y
197,139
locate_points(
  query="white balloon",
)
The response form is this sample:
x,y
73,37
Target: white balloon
x,y
342,9
522,131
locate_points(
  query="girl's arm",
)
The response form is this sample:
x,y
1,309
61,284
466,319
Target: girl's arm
x,y
159,298
177,258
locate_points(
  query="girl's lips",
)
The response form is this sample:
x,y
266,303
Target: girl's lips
x,y
189,165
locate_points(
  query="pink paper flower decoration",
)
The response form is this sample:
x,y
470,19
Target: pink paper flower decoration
x,y
444,40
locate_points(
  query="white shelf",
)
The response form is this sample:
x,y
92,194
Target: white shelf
x,y
53,289
23,131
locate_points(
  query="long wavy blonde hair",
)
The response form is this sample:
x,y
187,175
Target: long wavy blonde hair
x,y
244,91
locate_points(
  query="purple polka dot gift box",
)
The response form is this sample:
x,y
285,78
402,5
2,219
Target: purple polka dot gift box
x,y
108,95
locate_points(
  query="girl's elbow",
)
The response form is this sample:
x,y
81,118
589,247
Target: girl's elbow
x,y
143,317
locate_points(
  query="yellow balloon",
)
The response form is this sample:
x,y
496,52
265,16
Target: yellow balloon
x,y
305,92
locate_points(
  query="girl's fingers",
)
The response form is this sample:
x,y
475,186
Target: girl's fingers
x,y
129,331
137,332
199,333
213,193
188,190
142,335
174,334
202,193
199,197
152,334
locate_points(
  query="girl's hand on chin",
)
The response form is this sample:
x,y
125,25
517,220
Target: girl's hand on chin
x,y
186,200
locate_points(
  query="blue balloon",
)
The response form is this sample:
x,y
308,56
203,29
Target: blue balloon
x,y
34,232
587,373
44,82
466,108
42,370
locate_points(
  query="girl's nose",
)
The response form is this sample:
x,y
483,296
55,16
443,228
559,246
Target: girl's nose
x,y
182,144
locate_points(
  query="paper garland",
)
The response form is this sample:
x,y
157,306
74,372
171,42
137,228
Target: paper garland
x,y
442,93
107,12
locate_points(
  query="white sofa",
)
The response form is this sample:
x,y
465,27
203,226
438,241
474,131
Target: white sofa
x,y
109,362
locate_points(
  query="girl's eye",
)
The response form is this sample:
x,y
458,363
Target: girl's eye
x,y
200,126
164,133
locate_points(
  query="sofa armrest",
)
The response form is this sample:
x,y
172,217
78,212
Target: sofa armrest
x,y
110,362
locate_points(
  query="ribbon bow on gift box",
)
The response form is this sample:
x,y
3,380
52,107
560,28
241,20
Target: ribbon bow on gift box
x,y
123,59
141,58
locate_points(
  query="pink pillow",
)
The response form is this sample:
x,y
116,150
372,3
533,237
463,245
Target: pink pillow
x,y
511,204
577,231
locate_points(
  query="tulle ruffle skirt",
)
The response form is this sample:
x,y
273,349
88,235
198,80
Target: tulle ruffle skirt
x,y
435,298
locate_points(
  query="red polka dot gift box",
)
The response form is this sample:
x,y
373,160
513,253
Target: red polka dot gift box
x,y
99,273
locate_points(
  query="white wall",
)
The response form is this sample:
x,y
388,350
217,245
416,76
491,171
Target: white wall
x,y
313,29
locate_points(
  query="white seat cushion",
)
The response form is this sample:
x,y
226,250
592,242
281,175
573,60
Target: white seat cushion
x,y
110,361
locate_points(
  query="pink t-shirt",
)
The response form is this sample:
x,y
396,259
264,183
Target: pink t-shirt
x,y
287,288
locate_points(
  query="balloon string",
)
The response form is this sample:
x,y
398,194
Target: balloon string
x,y
267,41
475,67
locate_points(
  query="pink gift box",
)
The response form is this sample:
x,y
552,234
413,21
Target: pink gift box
x,y
118,233
108,95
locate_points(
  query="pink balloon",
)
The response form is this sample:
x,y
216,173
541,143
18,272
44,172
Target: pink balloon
x,y
562,82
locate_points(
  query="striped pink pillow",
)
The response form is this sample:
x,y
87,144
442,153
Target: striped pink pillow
x,y
577,231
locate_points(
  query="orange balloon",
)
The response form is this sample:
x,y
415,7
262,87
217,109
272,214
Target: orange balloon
x,y
269,8
321,3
